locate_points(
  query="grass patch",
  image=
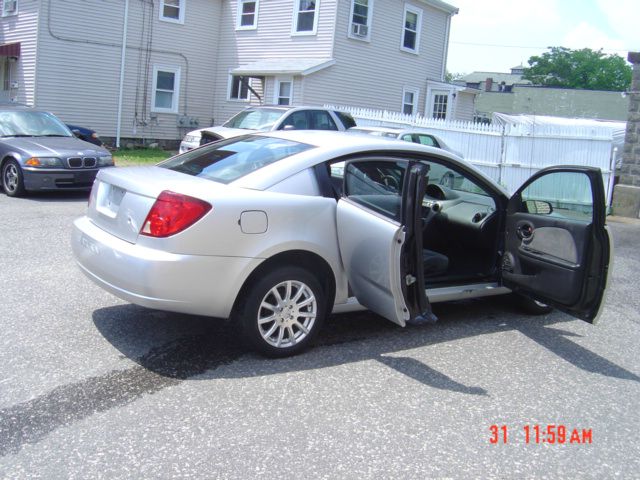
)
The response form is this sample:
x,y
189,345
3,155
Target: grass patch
x,y
141,156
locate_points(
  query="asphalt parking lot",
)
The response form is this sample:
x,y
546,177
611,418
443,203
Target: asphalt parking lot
x,y
92,387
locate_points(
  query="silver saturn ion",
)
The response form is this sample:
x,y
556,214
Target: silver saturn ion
x,y
277,230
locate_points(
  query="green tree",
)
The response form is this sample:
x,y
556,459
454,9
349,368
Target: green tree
x,y
585,69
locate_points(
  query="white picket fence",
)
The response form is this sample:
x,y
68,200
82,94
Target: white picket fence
x,y
509,154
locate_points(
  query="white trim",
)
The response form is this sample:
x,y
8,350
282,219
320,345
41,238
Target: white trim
x,y
351,25
230,89
181,9
418,12
416,98
10,13
239,15
434,89
176,88
276,90
296,11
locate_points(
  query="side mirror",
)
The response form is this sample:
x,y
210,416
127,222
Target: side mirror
x,y
288,127
539,207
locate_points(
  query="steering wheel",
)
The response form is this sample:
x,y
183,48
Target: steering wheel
x,y
390,182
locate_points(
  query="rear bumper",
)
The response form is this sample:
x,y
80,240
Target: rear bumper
x,y
59,179
194,284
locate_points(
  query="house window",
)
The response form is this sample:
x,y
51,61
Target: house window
x,y
239,88
305,17
9,7
361,11
166,89
247,14
440,105
411,29
284,92
409,101
172,10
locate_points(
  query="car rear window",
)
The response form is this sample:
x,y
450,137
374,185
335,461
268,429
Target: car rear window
x,y
228,160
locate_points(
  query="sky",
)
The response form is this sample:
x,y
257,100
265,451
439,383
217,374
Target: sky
x,y
495,35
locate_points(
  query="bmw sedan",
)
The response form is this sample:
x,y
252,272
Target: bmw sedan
x,y
38,152
276,230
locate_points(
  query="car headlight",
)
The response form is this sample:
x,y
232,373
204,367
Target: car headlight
x,y
43,162
191,138
106,161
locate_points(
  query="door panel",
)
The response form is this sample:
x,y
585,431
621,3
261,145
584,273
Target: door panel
x,y
556,247
380,237
370,247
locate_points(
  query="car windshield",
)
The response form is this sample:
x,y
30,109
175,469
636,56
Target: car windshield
x,y
228,160
261,119
25,123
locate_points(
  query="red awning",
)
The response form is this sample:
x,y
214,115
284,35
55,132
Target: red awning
x,y
10,50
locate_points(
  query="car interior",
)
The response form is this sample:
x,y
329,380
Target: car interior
x,y
459,216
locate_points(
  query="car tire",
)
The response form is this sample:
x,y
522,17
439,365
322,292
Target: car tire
x,y
533,307
282,311
13,179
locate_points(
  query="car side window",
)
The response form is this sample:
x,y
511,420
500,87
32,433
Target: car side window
x,y
297,121
321,120
427,140
376,185
407,137
560,194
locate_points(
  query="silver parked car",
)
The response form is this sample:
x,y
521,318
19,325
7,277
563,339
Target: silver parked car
x,y
277,230
38,152
414,135
270,118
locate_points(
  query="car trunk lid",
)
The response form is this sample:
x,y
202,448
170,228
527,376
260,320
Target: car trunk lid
x,y
121,198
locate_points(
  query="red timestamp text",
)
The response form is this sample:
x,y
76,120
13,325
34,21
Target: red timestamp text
x,y
553,434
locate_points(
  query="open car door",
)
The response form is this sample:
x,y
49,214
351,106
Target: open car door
x,y
557,246
380,236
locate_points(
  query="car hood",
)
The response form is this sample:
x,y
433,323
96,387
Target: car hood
x,y
53,146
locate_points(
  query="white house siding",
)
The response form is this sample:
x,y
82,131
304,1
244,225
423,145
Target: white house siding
x,y
373,74
22,28
271,39
465,107
79,64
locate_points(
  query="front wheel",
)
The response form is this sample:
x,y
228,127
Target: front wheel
x,y
533,307
13,179
282,312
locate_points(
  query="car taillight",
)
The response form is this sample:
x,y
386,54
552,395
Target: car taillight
x,y
172,213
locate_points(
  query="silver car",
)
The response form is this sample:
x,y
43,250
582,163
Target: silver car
x,y
414,135
38,152
277,230
269,118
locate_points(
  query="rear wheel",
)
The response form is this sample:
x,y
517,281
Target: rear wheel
x,y
13,179
282,312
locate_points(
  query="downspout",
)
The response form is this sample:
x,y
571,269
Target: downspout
x,y
122,63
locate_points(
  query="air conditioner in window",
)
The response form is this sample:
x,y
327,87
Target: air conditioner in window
x,y
359,30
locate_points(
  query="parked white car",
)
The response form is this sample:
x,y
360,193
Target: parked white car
x,y
270,118
413,135
261,229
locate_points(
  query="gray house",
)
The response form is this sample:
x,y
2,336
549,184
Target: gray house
x,y
159,68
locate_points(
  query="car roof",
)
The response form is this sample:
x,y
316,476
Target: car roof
x,y
286,108
331,145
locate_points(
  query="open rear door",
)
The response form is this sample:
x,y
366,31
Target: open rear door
x,y
380,236
557,246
